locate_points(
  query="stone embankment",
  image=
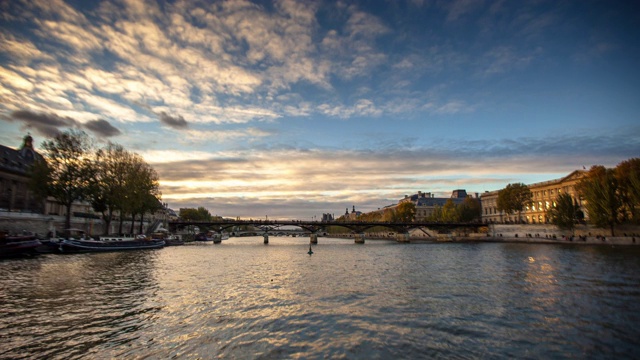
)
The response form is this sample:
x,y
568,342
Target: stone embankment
x,y
578,240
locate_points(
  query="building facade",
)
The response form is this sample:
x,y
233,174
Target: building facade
x,y
426,203
15,193
544,196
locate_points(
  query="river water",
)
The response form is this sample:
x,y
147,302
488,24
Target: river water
x,y
245,300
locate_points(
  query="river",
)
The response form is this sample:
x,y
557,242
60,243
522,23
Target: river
x,y
245,300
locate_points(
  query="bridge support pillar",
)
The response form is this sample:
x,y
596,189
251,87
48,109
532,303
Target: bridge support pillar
x,y
402,237
266,238
313,238
359,238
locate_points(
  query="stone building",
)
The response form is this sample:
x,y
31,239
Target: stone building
x,y
544,195
15,194
426,203
353,215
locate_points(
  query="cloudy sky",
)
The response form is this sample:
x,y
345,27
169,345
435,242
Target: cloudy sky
x,y
296,108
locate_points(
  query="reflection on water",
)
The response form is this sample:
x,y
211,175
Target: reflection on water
x,y
242,299
68,306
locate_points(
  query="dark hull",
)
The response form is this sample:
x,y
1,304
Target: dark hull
x,y
19,248
72,246
173,242
49,246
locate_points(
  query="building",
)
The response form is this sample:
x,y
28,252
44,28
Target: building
x,y
15,194
427,203
544,195
327,217
21,210
353,215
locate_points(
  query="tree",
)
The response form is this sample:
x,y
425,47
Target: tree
x,y
405,212
69,169
514,198
197,215
450,212
627,174
142,184
564,213
109,190
470,210
599,188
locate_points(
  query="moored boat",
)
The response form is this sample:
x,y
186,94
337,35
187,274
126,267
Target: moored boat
x,y
18,245
109,244
169,239
214,236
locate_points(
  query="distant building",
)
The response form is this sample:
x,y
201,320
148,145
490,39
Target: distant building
x,y
544,197
426,203
327,217
353,215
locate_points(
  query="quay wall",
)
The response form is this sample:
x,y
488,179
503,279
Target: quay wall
x,y
523,233
548,231
577,240
14,222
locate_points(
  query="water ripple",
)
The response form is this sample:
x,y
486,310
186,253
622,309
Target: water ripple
x,y
383,300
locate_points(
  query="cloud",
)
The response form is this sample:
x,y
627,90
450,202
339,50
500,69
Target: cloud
x,y
362,107
102,128
374,177
22,49
49,125
176,122
45,124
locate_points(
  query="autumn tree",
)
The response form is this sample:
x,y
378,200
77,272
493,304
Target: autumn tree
x,y
627,175
405,212
200,214
450,212
564,213
514,198
599,188
69,170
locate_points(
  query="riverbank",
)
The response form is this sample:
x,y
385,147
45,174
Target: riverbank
x,y
533,239
577,240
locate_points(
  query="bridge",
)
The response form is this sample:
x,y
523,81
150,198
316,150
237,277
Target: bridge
x,y
314,227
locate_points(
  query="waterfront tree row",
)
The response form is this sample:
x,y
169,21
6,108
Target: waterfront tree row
x,y
113,179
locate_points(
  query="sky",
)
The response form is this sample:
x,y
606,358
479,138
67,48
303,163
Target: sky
x,y
291,109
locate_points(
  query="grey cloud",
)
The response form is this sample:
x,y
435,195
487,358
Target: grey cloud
x,y
48,125
172,121
102,128
45,124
